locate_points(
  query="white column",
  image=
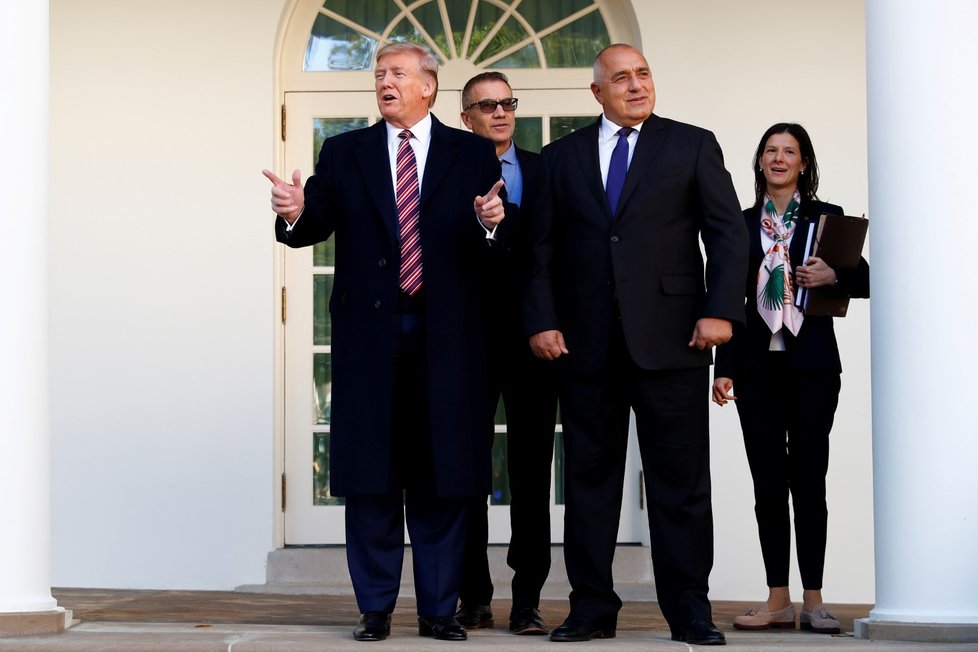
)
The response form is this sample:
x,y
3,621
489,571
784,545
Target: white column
x,y
25,546
922,59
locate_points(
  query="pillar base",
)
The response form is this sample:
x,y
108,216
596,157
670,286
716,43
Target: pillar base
x,y
882,630
35,623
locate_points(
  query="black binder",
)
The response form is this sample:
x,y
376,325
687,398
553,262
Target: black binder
x,y
838,240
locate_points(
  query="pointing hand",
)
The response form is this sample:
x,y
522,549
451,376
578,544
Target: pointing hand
x,y
288,200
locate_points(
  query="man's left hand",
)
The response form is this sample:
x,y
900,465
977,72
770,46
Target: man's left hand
x,y
710,332
489,208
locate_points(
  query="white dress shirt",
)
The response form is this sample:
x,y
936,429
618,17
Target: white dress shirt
x,y
420,141
607,139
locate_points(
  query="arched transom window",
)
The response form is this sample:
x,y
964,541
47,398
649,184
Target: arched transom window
x,y
487,33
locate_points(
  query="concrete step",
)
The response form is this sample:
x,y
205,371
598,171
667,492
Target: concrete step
x,y
323,570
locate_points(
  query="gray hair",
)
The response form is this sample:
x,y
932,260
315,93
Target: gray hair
x,y
597,69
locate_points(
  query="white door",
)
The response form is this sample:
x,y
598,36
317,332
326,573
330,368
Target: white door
x,y
312,515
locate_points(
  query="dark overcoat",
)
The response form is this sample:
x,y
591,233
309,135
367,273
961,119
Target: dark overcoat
x,y
351,199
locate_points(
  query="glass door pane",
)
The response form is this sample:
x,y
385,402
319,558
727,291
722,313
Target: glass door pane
x,y
312,515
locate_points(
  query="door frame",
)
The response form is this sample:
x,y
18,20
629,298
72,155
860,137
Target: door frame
x,y
306,524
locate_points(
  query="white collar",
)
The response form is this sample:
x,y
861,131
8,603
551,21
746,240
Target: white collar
x,y
421,130
609,129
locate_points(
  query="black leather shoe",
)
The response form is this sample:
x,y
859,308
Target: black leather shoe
x,y
474,616
373,626
444,628
701,632
579,628
527,621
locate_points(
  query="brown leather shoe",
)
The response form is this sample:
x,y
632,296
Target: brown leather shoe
x,y
819,620
760,618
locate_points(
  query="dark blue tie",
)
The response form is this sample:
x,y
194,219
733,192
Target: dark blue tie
x,y
617,169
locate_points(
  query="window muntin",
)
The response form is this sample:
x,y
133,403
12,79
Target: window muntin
x,y
490,33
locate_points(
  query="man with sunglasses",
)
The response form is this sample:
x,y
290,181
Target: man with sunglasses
x,y
525,383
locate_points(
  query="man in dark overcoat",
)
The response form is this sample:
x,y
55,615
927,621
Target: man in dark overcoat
x,y
412,206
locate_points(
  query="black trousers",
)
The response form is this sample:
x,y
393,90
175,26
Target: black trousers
x,y
529,394
786,416
436,525
673,433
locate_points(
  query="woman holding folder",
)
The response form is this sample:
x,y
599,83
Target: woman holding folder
x,y
785,368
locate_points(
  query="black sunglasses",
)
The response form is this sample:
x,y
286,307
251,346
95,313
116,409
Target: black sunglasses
x,y
489,106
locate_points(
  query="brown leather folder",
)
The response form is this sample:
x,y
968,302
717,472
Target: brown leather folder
x,y
838,240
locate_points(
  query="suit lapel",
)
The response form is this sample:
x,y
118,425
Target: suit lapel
x,y
587,157
373,160
441,152
650,139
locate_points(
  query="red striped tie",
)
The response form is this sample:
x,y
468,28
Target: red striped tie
x,y
408,210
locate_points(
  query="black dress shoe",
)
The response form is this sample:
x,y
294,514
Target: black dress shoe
x,y
579,628
373,626
701,632
527,621
444,628
474,616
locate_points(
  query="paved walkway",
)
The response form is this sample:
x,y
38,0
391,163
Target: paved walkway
x,y
211,621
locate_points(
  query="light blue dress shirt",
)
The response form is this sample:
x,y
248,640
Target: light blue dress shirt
x,y
512,175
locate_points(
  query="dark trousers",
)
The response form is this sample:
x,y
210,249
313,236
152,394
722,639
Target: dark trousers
x,y
529,396
436,525
375,549
673,434
786,417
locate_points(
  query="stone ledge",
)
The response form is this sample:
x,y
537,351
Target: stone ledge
x,y
881,630
323,570
35,623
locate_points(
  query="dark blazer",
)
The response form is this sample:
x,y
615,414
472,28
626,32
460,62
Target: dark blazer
x,y
506,279
647,259
815,347
351,198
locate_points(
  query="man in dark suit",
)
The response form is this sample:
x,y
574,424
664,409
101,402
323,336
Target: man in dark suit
x,y
408,424
619,299
525,382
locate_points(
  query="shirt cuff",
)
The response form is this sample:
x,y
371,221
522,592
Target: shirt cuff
x,y
288,227
490,235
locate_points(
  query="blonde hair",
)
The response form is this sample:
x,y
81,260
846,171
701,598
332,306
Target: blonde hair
x,y
427,63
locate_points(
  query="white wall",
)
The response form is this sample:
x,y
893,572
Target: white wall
x,y
161,264
737,68
162,269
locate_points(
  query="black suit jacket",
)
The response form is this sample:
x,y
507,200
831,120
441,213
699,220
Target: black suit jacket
x,y
506,280
815,347
351,198
647,259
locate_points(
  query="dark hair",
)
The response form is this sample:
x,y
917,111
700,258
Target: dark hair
x,y
491,75
807,182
